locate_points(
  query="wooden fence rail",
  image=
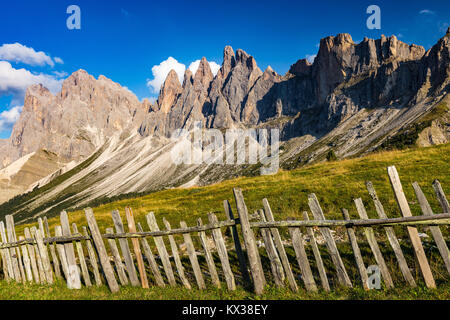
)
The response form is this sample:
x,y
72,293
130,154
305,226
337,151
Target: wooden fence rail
x,y
78,258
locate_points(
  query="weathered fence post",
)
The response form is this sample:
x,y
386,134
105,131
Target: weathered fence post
x,y
92,258
208,256
52,250
193,257
250,244
124,246
136,247
40,264
81,258
329,240
103,256
371,239
237,244
26,261
7,252
44,256
73,281
435,230
412,231
62,253
356,252
162,251
117,259
441,196
17,264
391,237
222,251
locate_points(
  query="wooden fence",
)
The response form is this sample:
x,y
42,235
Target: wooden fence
x,y
88,257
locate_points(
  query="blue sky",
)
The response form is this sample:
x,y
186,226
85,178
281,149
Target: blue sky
x,y
123,40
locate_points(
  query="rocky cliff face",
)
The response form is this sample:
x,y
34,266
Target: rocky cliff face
x,y
75,122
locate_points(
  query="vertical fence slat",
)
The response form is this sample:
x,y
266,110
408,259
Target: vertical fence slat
x,y
62,253
18,269
9,262
26,261
137,248
44,256
275,262
100,246
441,196
222,251
32,254
120,269
82,259
371,239
435,230
151,259
280,247
317,256
356,252
329,240
193,257
92,258
391,237
237,244
412,231
73,281
55,259
208,256
125,248
42,276
162,251
302,259
257,272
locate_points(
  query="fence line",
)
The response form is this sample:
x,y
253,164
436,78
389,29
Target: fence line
x,y
40,257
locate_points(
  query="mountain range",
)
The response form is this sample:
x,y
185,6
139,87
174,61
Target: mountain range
x,y
95,140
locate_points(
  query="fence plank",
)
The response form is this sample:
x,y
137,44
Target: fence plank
x,y
412,231
26,261
356,252
92,258
223,254
7,252
371,239
117,259
44,256
125,248
56,265
302,259
435,230
237,244
193,258
15,254
73,281
208,256
162,251
257,272
441,196
280,247
137,248
151,259
317,256
102,254
275,262
5,266
391,237
81,258
329,240
62,253
32,255
42,276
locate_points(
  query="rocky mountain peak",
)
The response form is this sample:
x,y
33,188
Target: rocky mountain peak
x,y
301,68
170,89
229,61
204,75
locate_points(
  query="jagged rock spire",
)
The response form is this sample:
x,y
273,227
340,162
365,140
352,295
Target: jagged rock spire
x,y
169,91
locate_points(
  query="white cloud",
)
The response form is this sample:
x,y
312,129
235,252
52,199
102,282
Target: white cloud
x,y
426,11
58,60
16,81
311,57
9,117
161,71
17,52
214,67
